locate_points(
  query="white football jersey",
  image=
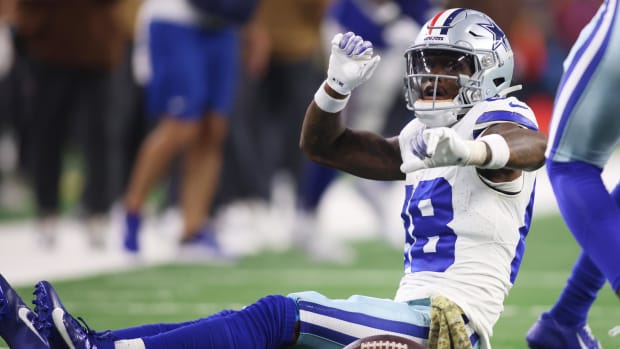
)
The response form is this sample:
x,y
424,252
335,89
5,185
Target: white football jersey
x,y
465,236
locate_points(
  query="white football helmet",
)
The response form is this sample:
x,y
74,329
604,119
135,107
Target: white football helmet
x,y
471,37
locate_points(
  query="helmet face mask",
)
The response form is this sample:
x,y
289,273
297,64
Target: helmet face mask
x,y
464,55
435,74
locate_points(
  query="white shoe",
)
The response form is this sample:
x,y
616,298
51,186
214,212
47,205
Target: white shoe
x,y
97,228
47,232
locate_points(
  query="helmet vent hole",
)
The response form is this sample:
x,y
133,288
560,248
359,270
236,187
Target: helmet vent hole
x,y
498,81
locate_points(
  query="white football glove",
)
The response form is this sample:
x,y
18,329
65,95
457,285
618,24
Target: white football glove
x,y
444,147
418,145
351,62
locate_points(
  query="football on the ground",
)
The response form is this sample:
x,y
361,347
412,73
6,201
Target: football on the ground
x,y
384,341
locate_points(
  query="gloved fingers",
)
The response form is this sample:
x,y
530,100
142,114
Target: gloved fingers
x,y
412,165
351,44
351,62
363,50
337,39
346,39
432,138
370,67
417,146
345,42
418,154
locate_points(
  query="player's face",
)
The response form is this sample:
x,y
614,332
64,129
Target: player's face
x,y
442,65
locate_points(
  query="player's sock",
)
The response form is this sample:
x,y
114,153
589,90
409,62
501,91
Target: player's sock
x,y
580,291
592,215
133,221
268,323
154,329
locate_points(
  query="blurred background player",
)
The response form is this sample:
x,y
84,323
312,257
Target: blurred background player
x,y
11,189
128,122
584,132
189,60
283,62
68,74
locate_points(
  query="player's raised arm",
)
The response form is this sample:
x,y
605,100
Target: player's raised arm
x,y
325,139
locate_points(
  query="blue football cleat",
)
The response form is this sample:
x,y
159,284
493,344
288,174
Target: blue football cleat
x,y
17,326
546,333
62,329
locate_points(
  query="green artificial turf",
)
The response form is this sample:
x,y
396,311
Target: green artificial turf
x,y
173,293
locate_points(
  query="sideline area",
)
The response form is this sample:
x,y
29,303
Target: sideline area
x,y
343,215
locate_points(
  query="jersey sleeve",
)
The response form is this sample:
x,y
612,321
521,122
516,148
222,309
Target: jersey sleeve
x,y
502,110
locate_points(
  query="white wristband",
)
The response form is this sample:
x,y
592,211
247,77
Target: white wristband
x,y
500,152
328,103
477,153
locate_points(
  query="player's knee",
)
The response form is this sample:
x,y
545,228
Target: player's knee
x,y
277,316
214,130
277,307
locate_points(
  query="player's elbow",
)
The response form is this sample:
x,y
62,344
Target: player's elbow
x,y
305,146
311,148
538,146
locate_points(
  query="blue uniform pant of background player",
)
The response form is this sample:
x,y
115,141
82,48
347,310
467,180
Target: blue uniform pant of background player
x,y
193,70
590,213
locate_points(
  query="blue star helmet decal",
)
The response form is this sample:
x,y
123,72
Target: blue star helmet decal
x,y
499,38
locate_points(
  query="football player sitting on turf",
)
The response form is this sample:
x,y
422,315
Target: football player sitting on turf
x,y
468,160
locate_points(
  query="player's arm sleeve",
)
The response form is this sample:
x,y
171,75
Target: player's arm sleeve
x,y
511,111
517,124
